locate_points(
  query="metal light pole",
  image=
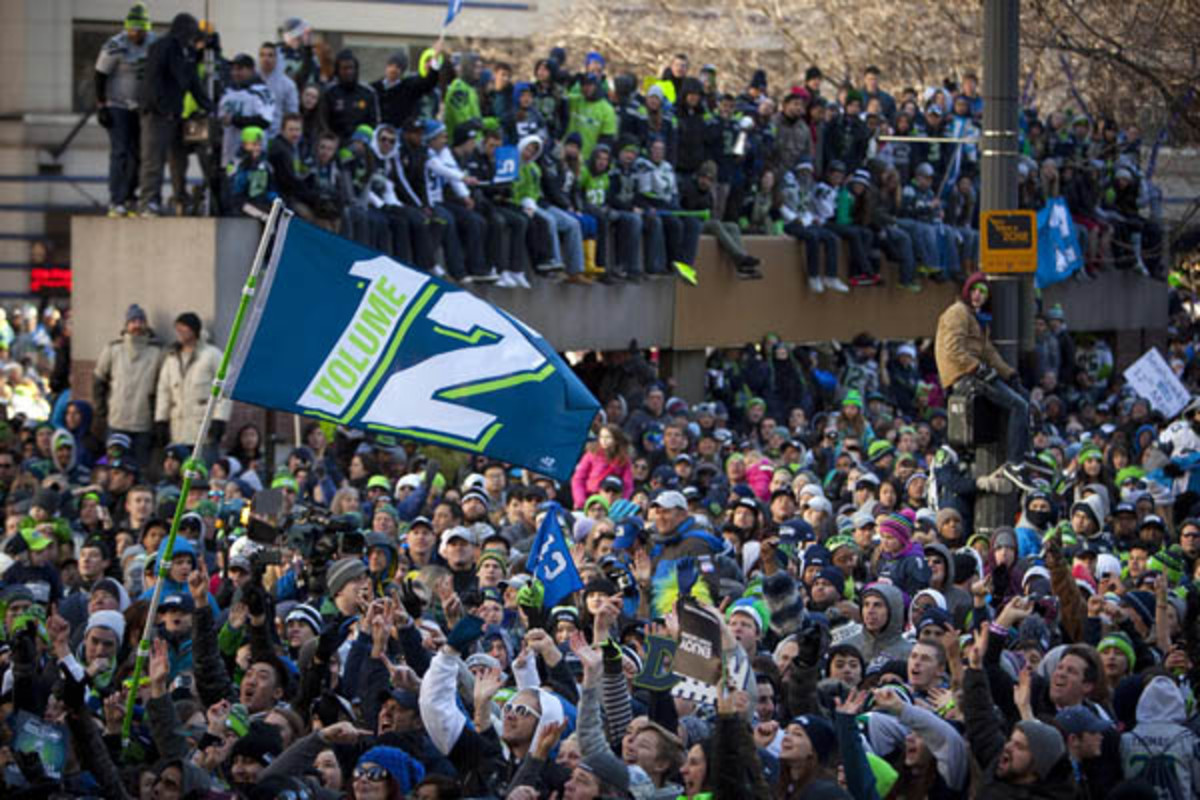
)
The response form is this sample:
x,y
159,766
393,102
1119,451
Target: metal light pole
x,y
1012,320
1012,294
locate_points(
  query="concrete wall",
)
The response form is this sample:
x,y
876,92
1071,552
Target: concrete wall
x,y
172,265
166,265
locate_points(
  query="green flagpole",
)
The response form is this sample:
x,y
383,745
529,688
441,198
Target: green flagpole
x,y
218,391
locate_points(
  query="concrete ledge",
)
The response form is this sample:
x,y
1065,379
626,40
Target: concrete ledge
x,y
170,265
597,317
726,311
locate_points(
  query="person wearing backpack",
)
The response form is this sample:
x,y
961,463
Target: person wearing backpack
x,y
1161,750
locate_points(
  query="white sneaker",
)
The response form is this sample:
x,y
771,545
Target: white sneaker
x,y
816,285
506,281
836,285
439,271
491,276
522,281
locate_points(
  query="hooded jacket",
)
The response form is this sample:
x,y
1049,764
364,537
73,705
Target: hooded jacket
x,y
76,474
171,70
961,344
184,386
888,642
347,104
958,601
697,133
125,380
1161,741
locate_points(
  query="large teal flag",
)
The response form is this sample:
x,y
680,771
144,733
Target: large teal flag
x,y
344,334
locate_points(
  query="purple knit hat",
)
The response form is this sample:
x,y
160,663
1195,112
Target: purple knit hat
x,y
897,527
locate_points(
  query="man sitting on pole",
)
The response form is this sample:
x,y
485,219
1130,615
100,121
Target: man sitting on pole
x,y
965,353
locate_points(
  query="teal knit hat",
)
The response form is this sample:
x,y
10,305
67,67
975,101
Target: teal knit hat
x,y
853,398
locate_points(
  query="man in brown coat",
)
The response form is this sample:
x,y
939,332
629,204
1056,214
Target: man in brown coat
x,y
965,353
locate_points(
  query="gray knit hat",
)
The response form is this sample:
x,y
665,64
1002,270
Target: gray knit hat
x,y
342,572
1045,744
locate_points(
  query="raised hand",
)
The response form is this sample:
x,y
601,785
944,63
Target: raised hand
x,y
589,657
977,651
114,712
486,685
547,738
160,664
887,700
1023,693
198,584
764,733
852,703
60,635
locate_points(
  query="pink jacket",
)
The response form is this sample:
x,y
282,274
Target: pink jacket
x,y
591,470
760,478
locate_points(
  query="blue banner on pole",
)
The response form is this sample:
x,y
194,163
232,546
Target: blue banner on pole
x,y
1059,254
452,9
344,334
550,559
507,162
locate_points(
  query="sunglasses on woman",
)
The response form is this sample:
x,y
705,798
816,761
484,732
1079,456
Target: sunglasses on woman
x,y
375,774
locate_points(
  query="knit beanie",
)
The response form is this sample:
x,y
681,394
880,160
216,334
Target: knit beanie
x,y
1143,603
262,743
190,319
306,614
343,572
1045,744
405,770
1120,641
835,577
112,620
820,733
1004,536
897,527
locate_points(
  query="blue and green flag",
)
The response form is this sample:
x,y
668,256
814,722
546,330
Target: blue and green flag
x,y
346,335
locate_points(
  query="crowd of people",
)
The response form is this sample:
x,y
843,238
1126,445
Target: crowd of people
x,y
382,633
576,174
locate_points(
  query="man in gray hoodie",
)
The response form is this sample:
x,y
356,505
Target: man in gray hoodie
x,y
883,623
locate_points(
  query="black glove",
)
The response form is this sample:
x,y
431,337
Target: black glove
x,y
24,646
411,599
327,645
1172,470
985,372
104,117
216,431
810,646
162,434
